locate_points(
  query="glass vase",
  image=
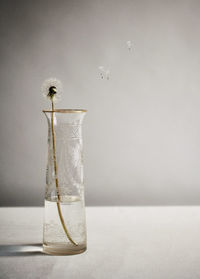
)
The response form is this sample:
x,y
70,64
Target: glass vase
x,y
64,230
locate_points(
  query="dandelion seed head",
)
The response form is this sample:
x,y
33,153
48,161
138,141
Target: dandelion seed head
x,y
52,89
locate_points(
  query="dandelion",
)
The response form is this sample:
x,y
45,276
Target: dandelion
x,y
51,89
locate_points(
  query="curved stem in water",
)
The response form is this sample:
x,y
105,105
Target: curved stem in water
x,y
63,224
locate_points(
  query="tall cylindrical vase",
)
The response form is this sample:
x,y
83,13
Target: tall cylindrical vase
x,y
64,230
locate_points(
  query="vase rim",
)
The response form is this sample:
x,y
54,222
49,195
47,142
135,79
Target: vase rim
x,y
66,110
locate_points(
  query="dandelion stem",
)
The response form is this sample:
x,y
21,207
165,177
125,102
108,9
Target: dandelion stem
x,y
56,178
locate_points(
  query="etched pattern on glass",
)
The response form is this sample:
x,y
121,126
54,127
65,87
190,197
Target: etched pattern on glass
x,y
68,139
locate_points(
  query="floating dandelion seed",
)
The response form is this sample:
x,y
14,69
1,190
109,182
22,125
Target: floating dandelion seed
x,y
107,74
52,89
101,69
129,45
104,73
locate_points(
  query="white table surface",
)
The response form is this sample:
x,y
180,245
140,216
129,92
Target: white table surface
x,y
123,242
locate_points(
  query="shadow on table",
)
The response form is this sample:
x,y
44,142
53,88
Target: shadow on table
x,y
21,250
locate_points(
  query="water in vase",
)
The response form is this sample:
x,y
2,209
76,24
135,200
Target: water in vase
x,y
55,239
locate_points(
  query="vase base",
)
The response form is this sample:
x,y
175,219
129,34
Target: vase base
x,y
62,250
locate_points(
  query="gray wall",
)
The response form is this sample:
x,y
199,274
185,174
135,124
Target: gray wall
x,y
142,131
